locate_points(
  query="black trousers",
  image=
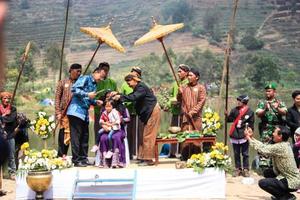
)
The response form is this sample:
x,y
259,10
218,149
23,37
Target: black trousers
x,y
135,129
244,150
278,188
79,139
62,148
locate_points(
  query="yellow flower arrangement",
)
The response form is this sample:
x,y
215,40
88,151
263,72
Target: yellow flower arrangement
x,y
44,160
216,158
43,125
210,122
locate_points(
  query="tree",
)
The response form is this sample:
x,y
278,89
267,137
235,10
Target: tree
x,y
261,69
207,63
211,20
155,71
250,42
29,72
53,56
177,12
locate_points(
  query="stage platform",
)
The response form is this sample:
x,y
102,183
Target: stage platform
x,y
151,183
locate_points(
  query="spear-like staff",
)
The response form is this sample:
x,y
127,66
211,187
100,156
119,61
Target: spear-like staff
x,y
24,58
64,39
226,64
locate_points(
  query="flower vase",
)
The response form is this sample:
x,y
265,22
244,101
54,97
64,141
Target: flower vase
x,y
39,181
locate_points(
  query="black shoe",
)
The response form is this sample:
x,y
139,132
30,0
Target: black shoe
x,y
80,164
288,197
172,156
86,162
273,198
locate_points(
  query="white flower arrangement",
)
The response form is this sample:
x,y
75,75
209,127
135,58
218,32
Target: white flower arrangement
x,y
43,125
45,160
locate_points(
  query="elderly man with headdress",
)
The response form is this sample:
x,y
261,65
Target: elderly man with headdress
x,y
9,119
135,126
192,97
62,97
148,110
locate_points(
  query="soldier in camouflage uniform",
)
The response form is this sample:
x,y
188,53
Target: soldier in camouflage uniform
x,y
272,112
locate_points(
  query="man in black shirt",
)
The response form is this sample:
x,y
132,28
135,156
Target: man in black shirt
x,y
293,114
148,111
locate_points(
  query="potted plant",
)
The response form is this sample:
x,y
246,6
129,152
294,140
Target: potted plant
x,y
37,166
217,158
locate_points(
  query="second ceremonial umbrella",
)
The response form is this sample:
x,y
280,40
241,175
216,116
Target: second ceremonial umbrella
x,y
158,32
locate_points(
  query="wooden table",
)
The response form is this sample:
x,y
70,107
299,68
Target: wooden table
x,y
199,140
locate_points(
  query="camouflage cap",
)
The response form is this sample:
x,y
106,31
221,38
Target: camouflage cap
x,y
271,86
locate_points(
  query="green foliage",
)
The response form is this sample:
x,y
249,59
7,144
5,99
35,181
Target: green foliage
x,y
211,21
155,70
163,98
177,12
261,69
250,42
198,31
29,71
209,65
53,56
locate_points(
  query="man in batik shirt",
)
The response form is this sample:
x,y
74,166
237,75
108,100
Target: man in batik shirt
x,y
62,97
192,97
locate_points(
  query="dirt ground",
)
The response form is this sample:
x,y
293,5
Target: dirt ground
x,y
237,188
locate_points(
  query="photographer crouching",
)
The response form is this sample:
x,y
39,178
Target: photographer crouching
x,y
284,178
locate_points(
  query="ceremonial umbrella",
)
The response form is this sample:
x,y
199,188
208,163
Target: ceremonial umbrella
x,y
103,35
158,32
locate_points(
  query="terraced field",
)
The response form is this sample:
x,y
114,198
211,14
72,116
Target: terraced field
x,y
43,21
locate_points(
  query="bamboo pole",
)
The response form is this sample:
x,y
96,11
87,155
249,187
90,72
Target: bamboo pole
x,y
226,65
64,39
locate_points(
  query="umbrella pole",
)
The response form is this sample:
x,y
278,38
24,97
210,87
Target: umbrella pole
x,y
64,39
173,72
169,61
87,67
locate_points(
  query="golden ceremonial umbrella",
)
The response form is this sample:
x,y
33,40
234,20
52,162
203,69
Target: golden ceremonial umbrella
x,y
103,35
158,32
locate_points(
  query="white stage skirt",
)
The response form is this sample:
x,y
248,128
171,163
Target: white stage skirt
x,y
152,183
